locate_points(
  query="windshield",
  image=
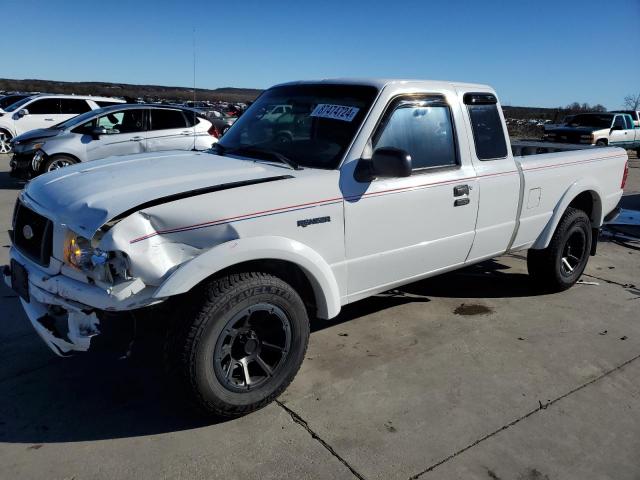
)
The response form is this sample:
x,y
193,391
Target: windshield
x,y
15,106
597,121
10,100
312,125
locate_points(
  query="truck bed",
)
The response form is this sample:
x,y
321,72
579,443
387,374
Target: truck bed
x,y
523,148
550,178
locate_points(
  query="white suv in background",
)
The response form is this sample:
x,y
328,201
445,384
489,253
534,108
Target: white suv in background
x,y
109,131
42,111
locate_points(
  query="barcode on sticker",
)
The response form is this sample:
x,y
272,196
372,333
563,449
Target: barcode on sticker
x,y
335,112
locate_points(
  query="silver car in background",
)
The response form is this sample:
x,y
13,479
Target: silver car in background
x,y
115,130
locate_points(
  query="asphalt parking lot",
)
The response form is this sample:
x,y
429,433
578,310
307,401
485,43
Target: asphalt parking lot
x,y
468,375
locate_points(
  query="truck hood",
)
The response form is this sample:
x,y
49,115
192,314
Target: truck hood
x,y
86,196
566,129
36,135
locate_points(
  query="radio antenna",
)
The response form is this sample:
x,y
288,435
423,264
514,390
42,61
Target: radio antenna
x,y
195,118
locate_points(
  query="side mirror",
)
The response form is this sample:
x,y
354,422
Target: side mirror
x,y
23,112
97,131
390,162
616,127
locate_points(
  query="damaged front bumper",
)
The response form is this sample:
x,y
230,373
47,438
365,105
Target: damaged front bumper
x,y
68,313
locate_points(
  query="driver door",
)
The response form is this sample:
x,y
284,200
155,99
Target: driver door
x,y
126,134
401,229
620,137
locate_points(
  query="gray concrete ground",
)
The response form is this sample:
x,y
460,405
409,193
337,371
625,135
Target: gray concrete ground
x,y
400,386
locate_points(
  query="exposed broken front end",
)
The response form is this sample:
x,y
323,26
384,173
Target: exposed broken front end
x,y
70,286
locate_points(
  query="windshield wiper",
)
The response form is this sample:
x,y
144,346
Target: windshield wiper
x,y
221,150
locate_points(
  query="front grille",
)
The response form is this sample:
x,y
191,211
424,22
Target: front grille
x,y
566,137
32,234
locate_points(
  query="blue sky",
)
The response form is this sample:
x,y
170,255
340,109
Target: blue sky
x,y
537,53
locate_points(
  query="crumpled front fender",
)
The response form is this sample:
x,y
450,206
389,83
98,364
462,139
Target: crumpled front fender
x,y
228,254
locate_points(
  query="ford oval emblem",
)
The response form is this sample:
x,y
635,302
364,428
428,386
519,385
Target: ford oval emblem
x,y
27,232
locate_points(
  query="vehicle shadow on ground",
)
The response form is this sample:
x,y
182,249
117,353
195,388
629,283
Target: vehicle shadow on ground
x,y
7,182
97,398
490,279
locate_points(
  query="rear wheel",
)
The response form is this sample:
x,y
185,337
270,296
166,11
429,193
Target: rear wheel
x,y
5,145
243,343
57,162
560,265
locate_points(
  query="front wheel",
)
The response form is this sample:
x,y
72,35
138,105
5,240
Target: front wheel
x,y
57,162
601,143
243,343
560,265
5,142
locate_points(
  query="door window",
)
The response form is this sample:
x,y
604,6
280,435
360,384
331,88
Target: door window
x,y
45,106
619,122
73,106
127,121
166,119
422,128
488,134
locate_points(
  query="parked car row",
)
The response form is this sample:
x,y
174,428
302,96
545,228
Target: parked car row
x,y
44,110
47,132
114,130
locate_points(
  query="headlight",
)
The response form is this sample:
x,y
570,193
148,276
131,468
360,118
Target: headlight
x,y
79,252
100,265
36,161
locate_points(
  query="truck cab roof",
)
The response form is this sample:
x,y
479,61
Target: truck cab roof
x,y
380,83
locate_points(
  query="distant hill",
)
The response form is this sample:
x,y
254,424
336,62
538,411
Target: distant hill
x,y
149,92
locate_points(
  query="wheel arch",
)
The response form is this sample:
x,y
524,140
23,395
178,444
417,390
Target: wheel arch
x,y
290,260
8,132
43,163
581,195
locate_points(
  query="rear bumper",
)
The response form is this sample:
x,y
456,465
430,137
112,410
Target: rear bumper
x,y
612,214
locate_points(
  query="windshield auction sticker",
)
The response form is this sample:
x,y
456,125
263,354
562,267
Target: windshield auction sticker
x,y
335,112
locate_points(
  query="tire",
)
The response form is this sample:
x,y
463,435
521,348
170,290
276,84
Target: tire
x,y
5,146
236,326
601,143
560,265
57,162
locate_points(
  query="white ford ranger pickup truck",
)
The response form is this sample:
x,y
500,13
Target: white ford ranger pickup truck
x,y
359,187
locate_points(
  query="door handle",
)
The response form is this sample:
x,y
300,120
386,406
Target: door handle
x,y
187,132
48,119
460,190
461,201
136,139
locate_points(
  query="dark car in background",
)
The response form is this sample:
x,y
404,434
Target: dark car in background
x,y
7,100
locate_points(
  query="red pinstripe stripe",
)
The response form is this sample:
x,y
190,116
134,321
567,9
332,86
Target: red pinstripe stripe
x,y
367,194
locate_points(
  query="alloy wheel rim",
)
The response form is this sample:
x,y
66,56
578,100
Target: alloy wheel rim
x,y
573,252
57,164
252,347
5,146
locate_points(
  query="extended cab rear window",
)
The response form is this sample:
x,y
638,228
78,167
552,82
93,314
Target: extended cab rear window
x,y
488,134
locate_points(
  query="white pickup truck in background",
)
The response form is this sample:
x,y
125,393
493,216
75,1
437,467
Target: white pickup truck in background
x,y
360,187
601,129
